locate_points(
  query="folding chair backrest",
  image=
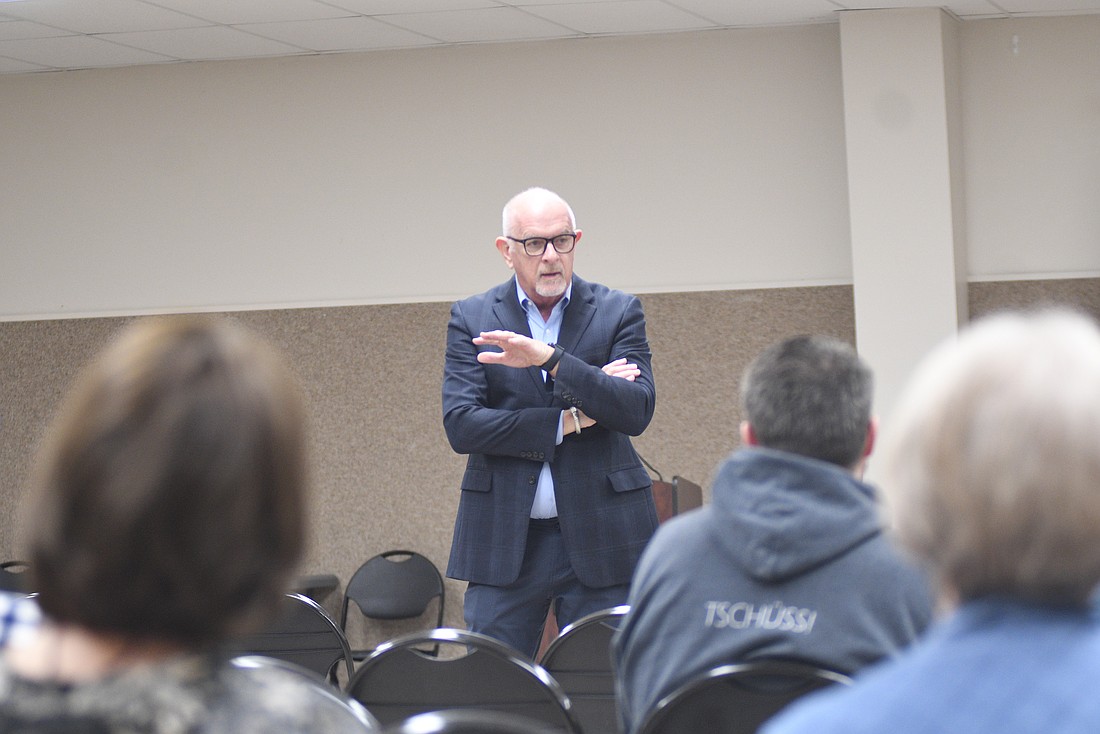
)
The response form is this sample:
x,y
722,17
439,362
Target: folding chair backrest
x,y
398,681
13,576
394,585
337,705
470,721
580,660
303,634
737,699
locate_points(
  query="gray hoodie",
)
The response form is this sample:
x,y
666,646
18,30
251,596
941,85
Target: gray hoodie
x,y
787,561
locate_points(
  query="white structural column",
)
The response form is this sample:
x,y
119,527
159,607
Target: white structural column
x,y
902,127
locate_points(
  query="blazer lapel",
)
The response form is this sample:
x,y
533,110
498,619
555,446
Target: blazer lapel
x,y
512,318
578,315
508,311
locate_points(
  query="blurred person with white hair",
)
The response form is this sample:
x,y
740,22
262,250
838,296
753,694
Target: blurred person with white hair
x,y
992,480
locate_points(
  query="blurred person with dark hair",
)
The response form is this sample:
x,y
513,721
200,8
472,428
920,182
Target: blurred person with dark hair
x,y
991,476
166,515
789,560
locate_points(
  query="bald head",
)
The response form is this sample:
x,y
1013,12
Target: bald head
x,y
532,205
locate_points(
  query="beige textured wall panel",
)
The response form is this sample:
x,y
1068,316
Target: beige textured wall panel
x,y
1079,293
701,343
383,474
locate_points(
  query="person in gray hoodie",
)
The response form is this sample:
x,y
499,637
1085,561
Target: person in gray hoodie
x,y
789,559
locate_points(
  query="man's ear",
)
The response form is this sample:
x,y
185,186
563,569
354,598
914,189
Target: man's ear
x,y
505,249
748,436
872,434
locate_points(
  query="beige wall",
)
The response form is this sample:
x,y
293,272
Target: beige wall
x,y
1031,114
708,160
696,161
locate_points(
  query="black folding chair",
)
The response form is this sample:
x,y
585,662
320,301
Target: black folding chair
x,y
579,658
477,672
470,721
393,585
737,699
303,634
336,706
13,577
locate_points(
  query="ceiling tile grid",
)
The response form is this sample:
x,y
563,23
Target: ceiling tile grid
x,y
45,35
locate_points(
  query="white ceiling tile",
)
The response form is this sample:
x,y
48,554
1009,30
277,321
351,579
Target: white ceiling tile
x,y
347,34
761,12
972,8
336,25
525,3
75,52
961,8
389,7
100,16
212,42
254,11
1049,6
491,24
14,29
11,66
621,16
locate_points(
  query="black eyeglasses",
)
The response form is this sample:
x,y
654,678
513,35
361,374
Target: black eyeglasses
x,y
535,246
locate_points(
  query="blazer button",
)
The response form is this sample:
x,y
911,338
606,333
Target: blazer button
x,y
531,479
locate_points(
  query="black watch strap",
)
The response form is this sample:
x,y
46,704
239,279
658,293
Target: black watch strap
x,y
554,358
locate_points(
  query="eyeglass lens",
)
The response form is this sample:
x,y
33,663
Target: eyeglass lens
x,y
535,246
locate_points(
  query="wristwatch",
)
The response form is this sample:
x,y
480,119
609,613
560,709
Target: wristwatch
x,y
554,358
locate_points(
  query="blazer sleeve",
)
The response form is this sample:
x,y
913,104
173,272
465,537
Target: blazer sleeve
x,y
494,416
614,403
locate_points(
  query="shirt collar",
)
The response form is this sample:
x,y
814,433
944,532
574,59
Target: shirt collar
x,y
524,300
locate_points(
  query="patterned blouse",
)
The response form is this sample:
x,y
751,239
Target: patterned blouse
x,y
187,695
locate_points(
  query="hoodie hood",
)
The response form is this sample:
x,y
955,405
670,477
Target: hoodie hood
x,y
781,514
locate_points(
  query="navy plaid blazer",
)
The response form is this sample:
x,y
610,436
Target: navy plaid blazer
x,y
507,420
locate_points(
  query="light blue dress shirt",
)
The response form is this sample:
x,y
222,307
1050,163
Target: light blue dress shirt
x,y
545,331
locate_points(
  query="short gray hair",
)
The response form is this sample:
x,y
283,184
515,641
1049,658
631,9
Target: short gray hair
x,y
992,459
810,395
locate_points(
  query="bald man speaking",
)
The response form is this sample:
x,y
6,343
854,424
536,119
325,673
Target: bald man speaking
x,y
547,376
